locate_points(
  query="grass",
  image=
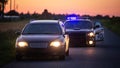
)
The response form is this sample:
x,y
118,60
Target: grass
x,y
7,49
5,26
113,25
7,39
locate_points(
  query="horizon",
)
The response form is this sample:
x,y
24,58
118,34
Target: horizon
x,y
65,14
82,7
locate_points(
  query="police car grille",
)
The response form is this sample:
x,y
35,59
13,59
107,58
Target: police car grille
x,y
78,38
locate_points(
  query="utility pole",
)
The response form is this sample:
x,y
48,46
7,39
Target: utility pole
x,y
14,5
10,5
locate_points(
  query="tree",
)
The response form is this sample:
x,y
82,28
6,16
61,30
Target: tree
x,y
46,14
2,7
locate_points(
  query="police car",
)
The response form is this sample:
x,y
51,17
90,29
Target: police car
x,y
99,31
81,32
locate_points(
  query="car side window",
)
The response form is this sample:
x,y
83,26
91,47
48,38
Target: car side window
x,y
97,25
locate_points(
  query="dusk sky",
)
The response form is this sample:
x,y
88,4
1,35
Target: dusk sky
x,y
91,7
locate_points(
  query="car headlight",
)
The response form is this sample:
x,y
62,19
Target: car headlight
x,y
22,44
55,43
91,42
91,34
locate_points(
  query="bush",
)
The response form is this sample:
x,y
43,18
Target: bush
x,y
7,46
113,25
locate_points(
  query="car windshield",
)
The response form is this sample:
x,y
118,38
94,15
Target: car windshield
x,y
41,28
78,25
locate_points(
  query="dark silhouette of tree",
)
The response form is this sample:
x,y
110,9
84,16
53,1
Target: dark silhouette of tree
x,y
12,12
2,7
27,15
35,15
115,20
59,16
46,14
106,17
98,16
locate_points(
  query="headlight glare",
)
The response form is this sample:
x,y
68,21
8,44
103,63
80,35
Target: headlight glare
x,y
91,42
91,34
22,44
55,44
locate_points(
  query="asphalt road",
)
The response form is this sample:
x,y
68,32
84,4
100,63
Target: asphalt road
x,y
105,55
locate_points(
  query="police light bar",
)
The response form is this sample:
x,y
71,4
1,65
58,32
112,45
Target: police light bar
x,y
71,18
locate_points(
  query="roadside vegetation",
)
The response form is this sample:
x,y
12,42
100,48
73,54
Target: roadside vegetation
x,y
112,24
7,50
7,39
15,25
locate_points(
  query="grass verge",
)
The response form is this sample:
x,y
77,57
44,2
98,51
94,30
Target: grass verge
x,y
113,25
16,25
7,48
7,39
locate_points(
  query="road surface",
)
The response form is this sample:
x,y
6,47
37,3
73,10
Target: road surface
x,y
105,55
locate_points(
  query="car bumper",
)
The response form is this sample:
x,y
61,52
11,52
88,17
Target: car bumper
x,y
40,51
82,41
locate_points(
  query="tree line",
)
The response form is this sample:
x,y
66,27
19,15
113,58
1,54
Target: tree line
x,y
44,15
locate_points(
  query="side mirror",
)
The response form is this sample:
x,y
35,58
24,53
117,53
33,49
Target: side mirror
x,y
18,32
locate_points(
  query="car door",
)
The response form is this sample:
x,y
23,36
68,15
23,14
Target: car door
x,y
99,31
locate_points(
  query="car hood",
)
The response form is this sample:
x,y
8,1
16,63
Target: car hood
x,y
32,38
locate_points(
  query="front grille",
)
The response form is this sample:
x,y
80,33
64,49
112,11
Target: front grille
x,y
79,38
39,45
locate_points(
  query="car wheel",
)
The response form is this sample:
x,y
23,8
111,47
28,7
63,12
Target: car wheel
x,y
62,57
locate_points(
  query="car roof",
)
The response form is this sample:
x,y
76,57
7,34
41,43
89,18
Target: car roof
x,y
44,21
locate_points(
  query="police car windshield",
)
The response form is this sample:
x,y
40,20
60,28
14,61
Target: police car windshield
x,y
78,24
42,28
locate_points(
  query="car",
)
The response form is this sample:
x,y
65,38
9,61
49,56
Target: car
x,y
99,31
41,38
81,32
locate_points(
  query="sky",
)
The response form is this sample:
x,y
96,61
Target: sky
x,y
82,7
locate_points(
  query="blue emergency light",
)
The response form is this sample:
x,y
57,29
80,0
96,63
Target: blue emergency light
x,y
72,17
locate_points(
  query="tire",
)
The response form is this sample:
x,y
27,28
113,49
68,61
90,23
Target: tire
x,y
62,57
